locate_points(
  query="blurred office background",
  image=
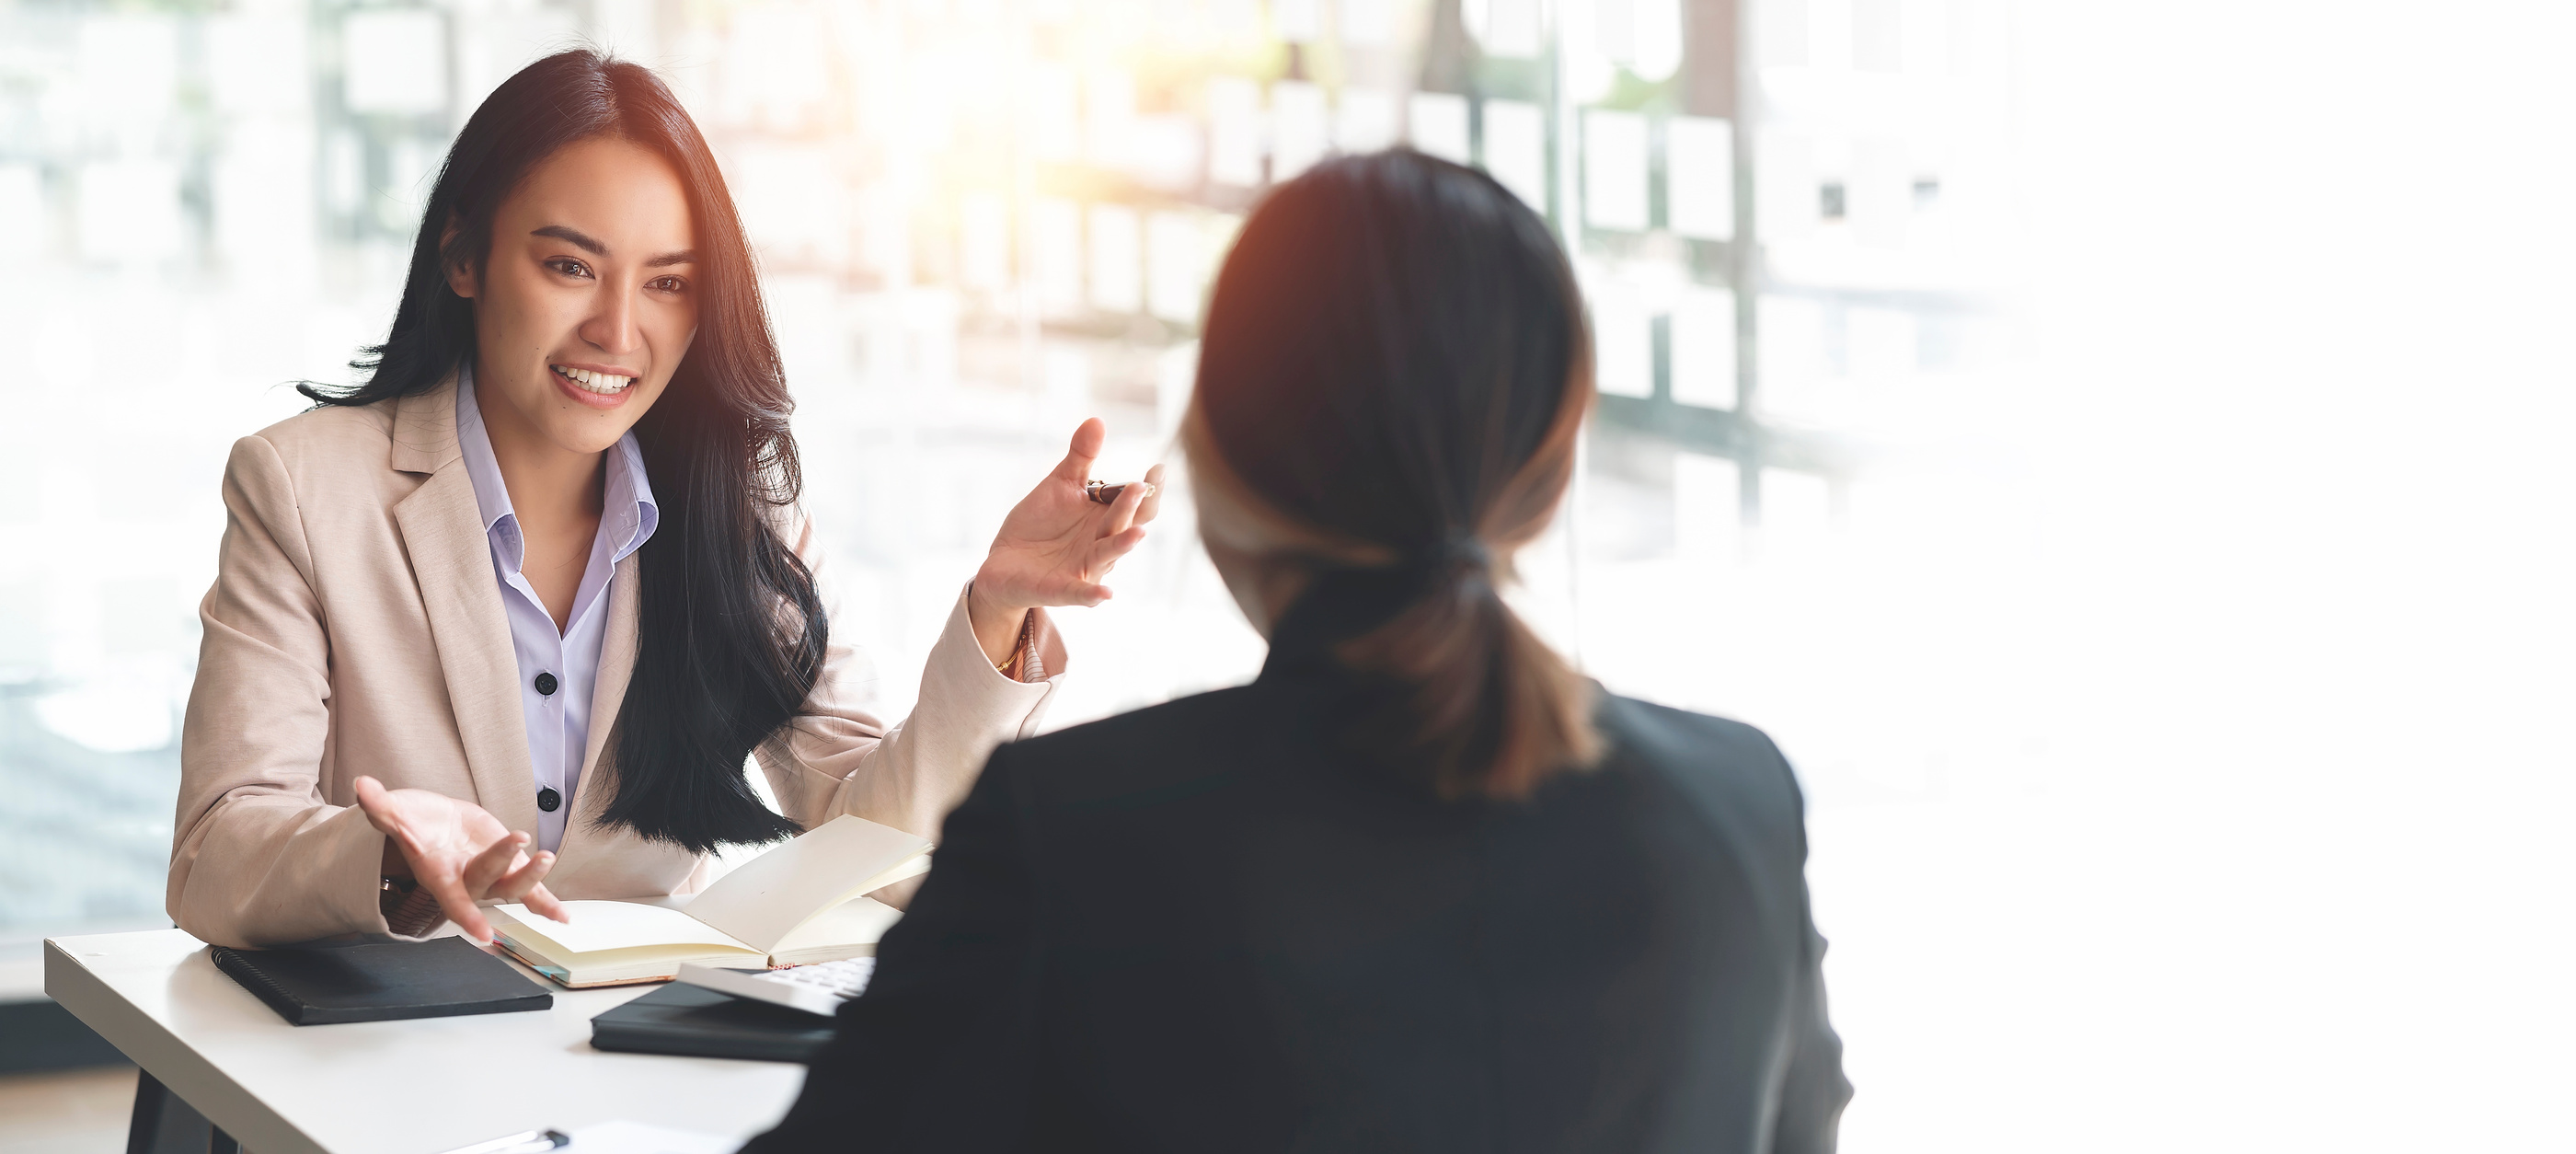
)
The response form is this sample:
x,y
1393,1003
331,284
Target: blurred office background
x,y
2114,453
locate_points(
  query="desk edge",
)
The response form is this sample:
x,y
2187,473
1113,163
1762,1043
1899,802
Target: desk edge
x,y
198,1082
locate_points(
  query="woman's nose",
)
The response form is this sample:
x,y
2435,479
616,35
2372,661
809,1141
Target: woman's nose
x,y
611,328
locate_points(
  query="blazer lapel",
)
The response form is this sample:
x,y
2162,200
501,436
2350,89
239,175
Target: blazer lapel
x,y
451,558
608,691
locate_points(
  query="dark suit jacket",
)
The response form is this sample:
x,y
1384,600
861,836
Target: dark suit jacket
x,y
1200,927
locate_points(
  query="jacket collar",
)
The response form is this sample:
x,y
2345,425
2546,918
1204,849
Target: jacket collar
x,y
424,434
451,559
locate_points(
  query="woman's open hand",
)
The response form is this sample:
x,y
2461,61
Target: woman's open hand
x,y
1058,544
460,853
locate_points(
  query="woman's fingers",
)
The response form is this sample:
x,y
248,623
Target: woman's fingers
x,y
518,883
493,863
1153,504
496,869
378,804
1088,437
1122,512
459,908
543,901
378,807
1106,551
457,894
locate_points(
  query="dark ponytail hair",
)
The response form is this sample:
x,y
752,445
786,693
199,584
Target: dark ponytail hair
x,y
732,632
1394,372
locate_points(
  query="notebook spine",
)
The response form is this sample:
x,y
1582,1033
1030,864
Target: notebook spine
x,y
249,976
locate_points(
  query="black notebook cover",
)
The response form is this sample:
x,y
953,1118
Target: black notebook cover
x,y
382,981
701,1023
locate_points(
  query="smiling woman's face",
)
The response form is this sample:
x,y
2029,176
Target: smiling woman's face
x,y
588,298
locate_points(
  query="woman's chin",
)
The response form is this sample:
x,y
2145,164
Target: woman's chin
x,y
587,433
592,428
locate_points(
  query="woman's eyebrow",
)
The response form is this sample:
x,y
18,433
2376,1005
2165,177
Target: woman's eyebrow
x,y
587,244
576,236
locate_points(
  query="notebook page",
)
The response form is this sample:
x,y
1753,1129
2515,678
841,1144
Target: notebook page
x,y
839,932
599,925
766,898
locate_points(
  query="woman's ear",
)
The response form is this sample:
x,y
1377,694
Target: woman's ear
x,y
460,274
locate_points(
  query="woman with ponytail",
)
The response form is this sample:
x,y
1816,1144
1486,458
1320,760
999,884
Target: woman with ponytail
x,y
1420,886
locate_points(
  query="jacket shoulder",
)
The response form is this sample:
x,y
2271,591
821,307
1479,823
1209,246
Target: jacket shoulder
x,y
331,452
329,470
1183,740
1727,765
332,430
1682,735
1120,735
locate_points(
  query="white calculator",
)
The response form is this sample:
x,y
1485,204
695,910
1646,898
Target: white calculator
x,y
816,989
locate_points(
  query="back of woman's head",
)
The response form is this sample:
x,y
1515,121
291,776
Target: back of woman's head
x,y
1394,372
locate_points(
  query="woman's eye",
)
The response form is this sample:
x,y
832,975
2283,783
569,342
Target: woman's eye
x,y
568,266
669,284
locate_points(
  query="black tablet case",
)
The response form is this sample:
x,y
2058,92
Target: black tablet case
x,y
701,1023
381,981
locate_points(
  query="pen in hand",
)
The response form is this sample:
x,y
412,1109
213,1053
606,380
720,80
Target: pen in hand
x,y
1102,494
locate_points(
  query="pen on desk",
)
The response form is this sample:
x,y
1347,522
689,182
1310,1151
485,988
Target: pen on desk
x,y
529,1142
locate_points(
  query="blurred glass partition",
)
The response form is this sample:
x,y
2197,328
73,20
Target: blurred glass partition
x,y
1795,230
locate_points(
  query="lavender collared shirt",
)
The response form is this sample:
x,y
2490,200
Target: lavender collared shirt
x,y
558,722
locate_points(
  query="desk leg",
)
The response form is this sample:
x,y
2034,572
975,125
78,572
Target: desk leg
x,y
163,1124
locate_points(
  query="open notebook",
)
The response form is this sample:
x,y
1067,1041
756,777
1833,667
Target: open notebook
x,y
797,903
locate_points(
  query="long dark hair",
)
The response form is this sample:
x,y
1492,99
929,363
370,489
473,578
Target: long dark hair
x,y
732,633
1394,371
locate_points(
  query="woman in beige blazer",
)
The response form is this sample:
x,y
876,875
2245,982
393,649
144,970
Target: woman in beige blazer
x,y
504,622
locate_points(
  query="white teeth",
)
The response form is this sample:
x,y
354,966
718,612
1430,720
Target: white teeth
x,y
590,382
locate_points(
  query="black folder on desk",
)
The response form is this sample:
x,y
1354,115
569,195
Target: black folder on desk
x,y
701,1023
381,981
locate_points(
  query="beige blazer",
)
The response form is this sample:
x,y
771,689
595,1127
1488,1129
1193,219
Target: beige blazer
x,y
355,628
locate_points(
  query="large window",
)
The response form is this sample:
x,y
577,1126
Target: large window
x,y
980,222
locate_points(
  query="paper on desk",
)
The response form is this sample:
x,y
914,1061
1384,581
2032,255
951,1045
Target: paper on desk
x,y
623,1137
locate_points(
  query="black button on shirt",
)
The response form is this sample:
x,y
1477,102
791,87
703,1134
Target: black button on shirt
x,y
548,800
546,686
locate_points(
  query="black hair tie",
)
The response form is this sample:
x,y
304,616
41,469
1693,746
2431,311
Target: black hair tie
x,y
1346,602
1459,554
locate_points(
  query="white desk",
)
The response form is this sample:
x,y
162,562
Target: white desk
x,y
411,1087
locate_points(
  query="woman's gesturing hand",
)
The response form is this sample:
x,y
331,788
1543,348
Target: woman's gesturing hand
x,y
1058,544
460,853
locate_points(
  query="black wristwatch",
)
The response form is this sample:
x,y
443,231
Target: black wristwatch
x,y
409,910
